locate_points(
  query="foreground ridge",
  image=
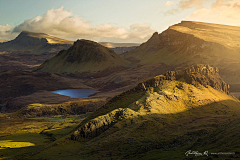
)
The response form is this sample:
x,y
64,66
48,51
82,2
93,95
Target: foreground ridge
x,y
196,74
175,92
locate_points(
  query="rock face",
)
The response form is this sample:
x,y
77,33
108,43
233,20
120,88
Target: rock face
x,y
94,127
196,74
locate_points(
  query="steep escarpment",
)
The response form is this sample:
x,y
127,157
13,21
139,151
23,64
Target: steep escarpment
x,y
84,58
161,100
189,43
35,43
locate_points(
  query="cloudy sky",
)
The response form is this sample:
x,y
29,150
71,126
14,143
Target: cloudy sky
x,y
110,20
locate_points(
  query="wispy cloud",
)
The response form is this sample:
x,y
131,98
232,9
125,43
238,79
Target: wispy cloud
x,y
185,4
221,11
62,23
169,3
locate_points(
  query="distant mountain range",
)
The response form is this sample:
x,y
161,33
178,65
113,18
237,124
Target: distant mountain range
x,y
114,45
180,46
120,47
35,43
38,43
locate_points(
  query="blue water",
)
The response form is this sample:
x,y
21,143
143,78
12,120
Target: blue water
x,y
76,93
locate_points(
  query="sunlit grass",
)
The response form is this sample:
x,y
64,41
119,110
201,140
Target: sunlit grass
x,y
11,144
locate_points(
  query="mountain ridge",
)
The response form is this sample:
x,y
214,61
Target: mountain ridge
x,y
164,113
188,43
197,75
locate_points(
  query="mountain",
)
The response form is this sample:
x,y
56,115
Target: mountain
x,y
120,47
35,43
166,112
84,58
189,43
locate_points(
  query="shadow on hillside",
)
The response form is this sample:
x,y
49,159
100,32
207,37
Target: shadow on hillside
x,y
170,132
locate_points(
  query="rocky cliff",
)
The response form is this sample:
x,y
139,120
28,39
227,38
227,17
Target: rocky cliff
x,y
196,75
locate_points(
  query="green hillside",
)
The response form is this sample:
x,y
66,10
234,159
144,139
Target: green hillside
x,y
153,114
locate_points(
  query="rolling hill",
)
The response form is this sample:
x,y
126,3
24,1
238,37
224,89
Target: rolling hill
x,y
35,43
85,58
189,43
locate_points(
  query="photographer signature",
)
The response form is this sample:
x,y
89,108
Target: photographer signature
x,y
196,153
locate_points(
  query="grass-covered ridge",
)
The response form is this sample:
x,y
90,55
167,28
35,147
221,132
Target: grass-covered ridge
x,y
152,116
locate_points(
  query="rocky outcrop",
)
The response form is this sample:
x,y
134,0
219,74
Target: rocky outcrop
x,y
93,128
196,74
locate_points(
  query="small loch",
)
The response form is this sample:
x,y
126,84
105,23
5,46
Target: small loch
x,y
76,93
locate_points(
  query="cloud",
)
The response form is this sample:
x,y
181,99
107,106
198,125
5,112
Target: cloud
x,y
169,3
221,12
62,23
185,4
6,32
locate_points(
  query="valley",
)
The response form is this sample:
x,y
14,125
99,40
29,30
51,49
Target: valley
x,y
176,92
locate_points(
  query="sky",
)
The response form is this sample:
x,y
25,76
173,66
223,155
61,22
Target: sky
x,y
129,21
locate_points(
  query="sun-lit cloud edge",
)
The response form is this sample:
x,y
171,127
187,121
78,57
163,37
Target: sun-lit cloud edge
x,y
219,11
63,24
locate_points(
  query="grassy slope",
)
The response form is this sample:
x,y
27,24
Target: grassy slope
x,y
19,138
173,115
228,36
155,120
